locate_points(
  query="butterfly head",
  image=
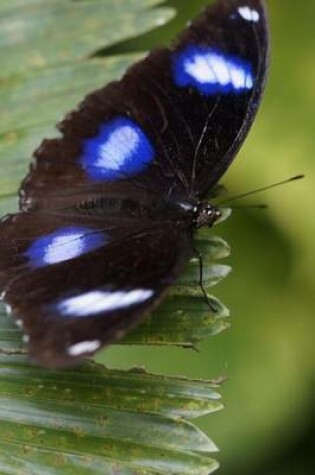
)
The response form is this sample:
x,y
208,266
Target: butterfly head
x,y
206,214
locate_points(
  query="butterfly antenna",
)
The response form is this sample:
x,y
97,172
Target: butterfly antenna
x,y
257,206
258,190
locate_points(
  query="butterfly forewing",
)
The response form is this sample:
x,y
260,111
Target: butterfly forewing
x,y
172,124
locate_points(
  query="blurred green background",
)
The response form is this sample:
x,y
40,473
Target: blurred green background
x,y
268,354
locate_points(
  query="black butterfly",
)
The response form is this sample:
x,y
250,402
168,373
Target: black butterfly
x,y
108,211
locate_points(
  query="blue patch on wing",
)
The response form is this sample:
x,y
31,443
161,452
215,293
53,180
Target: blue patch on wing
x,y
120,150
64,244
211,72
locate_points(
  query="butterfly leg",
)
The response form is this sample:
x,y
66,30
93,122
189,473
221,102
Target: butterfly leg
x,y
198,255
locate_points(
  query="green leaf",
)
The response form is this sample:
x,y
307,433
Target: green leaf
x,y
92,420
37,34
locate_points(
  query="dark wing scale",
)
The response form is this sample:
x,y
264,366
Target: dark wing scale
x,y
71,308
195,135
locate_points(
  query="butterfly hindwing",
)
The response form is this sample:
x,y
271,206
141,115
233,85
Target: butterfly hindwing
x,y
74,281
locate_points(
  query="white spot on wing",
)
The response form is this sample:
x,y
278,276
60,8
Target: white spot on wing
x,y
64,247
120,146
84,347
198,67
120,149
221,69
216,69
98,301
249,14
238,78
64,244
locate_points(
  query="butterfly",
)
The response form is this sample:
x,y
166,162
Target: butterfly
x,y
108,211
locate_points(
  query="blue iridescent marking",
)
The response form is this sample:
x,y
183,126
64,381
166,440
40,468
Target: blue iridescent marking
x,y
120,150
64,244
211,71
